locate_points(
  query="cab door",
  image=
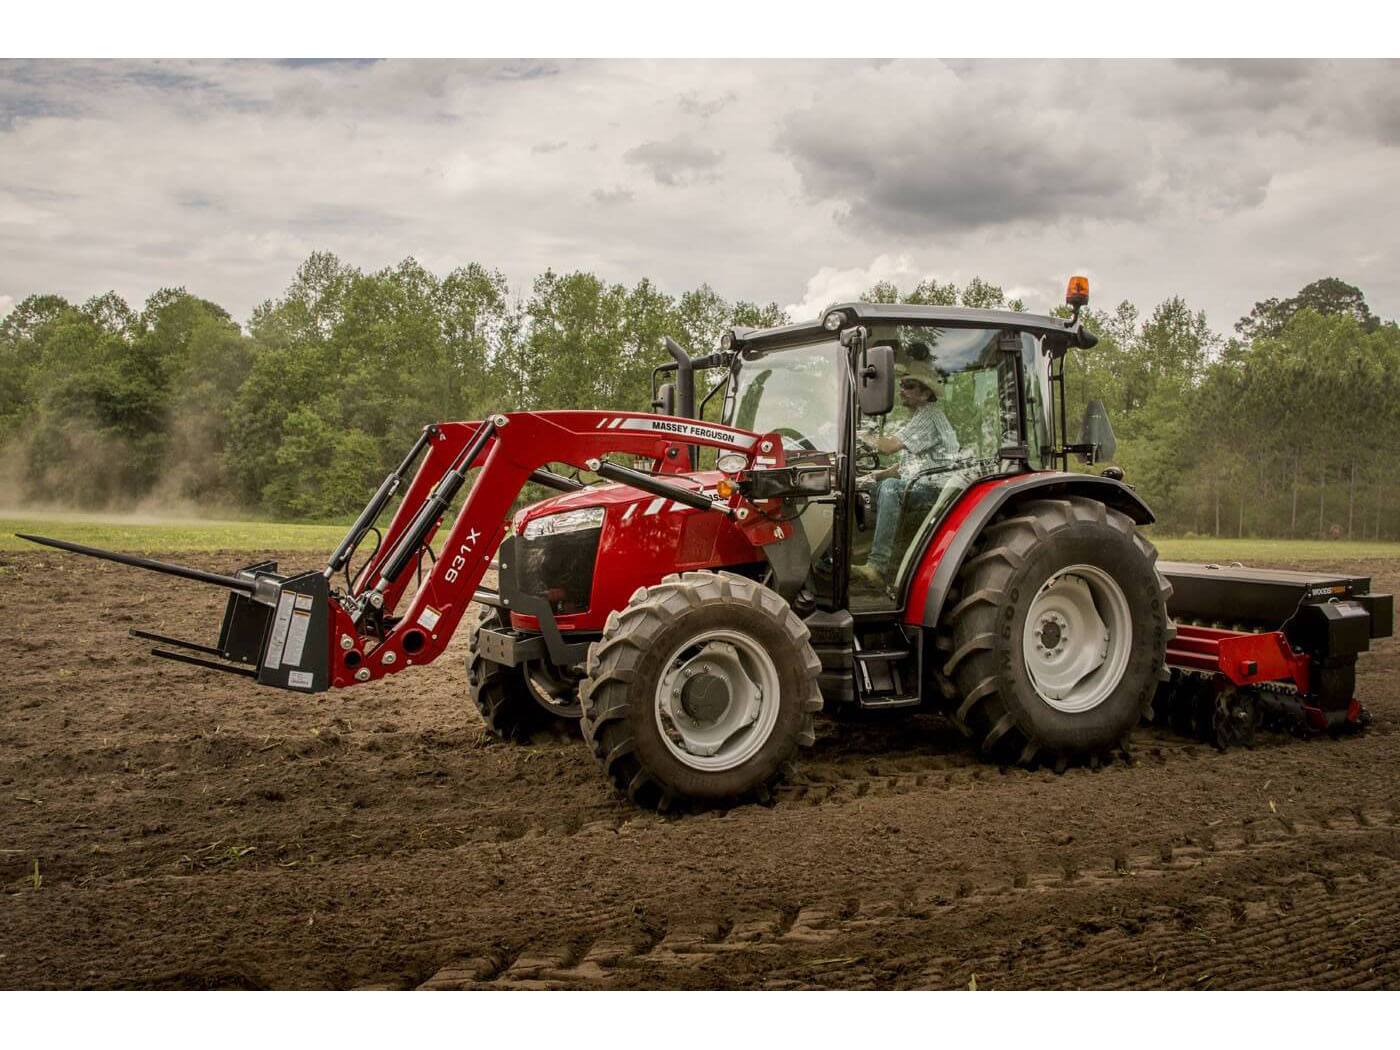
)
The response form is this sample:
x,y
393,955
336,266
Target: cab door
x,y
911,466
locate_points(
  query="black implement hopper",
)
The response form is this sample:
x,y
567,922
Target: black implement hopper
x,y
1322,620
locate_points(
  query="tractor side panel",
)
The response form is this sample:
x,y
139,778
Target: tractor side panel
x,y
954,537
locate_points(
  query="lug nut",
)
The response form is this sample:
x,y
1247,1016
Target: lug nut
x,y
362,675
346,642
389,658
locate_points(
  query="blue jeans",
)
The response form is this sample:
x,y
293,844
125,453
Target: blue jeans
x,y
889,504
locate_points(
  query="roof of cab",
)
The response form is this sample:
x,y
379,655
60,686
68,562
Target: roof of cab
x,y
911,313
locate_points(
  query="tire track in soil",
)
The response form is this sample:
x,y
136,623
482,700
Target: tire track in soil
x,y
1240,946
545,808
619,953
549,814
840,780
559,797
534,809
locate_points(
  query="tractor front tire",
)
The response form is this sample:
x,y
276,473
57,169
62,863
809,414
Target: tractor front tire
x,y
505,697
1057,638
701,689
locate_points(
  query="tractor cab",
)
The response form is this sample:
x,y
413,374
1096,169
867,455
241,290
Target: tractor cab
x,y
915,404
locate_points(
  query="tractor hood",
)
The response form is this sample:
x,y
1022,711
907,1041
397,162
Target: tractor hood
x,y
610,496
590,565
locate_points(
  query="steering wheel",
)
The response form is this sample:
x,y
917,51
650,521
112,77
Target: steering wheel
x,y
867,457
798,439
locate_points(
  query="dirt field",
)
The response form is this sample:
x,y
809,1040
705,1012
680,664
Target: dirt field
x,y
192,830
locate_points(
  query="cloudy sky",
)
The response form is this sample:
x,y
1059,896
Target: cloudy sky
x,y
796,181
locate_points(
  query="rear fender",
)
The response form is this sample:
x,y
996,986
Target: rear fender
x,y
948,547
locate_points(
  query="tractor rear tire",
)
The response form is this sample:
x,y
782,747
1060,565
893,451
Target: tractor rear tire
x,y
1057,638
701,689
504,696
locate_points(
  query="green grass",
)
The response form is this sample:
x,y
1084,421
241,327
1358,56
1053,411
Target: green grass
x,y
127,534
1335,553
146,536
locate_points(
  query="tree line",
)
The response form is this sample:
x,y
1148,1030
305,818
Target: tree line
x,y
1288,427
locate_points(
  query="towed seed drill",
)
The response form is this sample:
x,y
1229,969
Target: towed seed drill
x,y
886,519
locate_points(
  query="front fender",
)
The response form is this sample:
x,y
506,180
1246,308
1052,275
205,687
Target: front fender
x,y
947,549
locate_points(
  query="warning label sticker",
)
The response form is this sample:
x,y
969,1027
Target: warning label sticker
x,y
280,626
299,679
296,638
429,617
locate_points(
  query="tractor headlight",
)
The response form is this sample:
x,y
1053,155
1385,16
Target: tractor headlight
x,y
731,462
564,521
834,320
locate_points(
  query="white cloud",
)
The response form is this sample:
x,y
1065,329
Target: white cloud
x,y
832,285
795,181
7,303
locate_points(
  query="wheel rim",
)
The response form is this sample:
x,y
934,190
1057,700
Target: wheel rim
x,y
554,693
1077,638
717,700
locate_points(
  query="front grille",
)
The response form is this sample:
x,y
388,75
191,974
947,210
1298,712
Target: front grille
x,y
558,568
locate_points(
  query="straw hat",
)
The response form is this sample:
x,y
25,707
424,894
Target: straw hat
x,y
922,371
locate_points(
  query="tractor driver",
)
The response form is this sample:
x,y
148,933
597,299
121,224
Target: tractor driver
x,y
925,441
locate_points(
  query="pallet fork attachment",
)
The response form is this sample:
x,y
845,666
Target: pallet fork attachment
x,y
272,631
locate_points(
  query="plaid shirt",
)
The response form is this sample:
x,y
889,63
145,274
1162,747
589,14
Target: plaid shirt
x,y
929,440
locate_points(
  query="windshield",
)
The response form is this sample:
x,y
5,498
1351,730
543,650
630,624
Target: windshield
x,y
794,392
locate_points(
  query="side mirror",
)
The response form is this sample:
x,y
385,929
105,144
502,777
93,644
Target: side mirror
x,y
665,402
1097,431
877,381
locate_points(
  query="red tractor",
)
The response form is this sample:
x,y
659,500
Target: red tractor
x,y
885,520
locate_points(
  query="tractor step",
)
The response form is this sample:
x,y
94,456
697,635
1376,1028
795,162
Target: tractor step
x,y
877,655
889,703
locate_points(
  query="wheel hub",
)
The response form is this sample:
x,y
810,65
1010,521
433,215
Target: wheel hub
x,y
1077,638
1053,633
705,697
717,700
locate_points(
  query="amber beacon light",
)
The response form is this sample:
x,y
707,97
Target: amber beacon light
x,y
1077,294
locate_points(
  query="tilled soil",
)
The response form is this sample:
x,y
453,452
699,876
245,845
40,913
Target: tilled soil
x,y
170,827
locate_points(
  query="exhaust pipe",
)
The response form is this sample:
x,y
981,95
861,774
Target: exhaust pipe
x,y
685,379
685,390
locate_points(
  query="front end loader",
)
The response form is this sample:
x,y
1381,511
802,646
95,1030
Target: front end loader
x,y
877,515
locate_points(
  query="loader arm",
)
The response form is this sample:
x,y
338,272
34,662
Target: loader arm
x,y
297,632
507,450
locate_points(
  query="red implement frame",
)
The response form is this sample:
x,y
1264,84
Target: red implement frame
x,y
520,444
1242,657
